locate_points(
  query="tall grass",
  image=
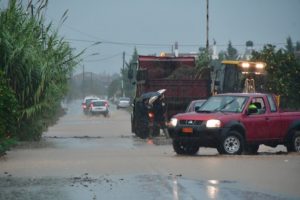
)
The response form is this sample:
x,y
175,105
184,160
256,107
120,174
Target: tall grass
x,y
36,62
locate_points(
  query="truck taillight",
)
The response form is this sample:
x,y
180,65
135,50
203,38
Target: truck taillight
x,y
92,105
84,106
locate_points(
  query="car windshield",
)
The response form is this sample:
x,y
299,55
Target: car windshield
x,y
195,105
124,99
224,103
99,103
88,101
199,104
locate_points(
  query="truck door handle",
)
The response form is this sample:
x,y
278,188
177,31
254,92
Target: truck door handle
x,y
267,118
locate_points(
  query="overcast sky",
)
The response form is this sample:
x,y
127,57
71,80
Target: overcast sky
x,y
153,26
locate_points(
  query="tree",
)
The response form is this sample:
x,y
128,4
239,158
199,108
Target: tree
x,y
283,71
114,87
222,55
204,58
232,53
129,74
289,45
297,46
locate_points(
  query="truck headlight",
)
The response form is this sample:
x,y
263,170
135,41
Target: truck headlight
x,y
213,123
260,65
173,122
245,65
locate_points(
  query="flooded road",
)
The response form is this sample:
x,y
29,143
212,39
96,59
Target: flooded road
x,y
93,157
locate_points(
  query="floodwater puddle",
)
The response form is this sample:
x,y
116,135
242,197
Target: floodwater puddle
x,y
133,187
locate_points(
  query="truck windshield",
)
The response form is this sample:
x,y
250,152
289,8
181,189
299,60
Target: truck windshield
x,y
224,103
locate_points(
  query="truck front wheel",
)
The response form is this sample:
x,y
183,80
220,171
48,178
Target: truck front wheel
x,y
185,148
232,144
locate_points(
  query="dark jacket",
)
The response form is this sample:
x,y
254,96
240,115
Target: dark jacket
x,y
142,111
159,109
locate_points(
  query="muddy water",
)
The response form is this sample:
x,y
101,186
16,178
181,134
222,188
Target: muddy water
x,y
93,157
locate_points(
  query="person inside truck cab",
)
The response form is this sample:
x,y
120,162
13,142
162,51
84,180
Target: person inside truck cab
x,y
256,108
259,105
252,109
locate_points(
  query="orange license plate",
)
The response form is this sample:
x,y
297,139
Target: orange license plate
x,y
187,130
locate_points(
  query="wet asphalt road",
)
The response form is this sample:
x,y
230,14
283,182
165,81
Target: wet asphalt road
x,y
93,157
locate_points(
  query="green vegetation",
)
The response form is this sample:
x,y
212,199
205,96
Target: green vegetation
x,y
8,115
283,72
128,75
35,64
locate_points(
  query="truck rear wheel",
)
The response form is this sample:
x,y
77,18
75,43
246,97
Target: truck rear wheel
x,y
185,148
293,145
232,144
296,142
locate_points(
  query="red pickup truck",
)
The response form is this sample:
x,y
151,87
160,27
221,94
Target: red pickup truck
x,y
235,123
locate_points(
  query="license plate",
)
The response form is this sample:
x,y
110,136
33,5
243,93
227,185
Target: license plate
x,y
187,130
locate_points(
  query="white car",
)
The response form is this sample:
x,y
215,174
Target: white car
x,y
124,102
87,102
99,107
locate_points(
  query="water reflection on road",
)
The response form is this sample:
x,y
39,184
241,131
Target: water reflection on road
x,y
133,187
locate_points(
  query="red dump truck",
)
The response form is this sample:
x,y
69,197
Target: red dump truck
x,y
177,76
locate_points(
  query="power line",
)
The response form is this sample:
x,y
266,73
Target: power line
x,y
165,45
105,58
150,45
127,43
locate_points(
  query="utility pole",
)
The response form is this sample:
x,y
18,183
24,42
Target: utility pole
x,y
123,92
207,26
83,81
83,73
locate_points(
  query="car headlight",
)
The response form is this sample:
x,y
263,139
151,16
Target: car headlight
x,y
173,122
213,123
